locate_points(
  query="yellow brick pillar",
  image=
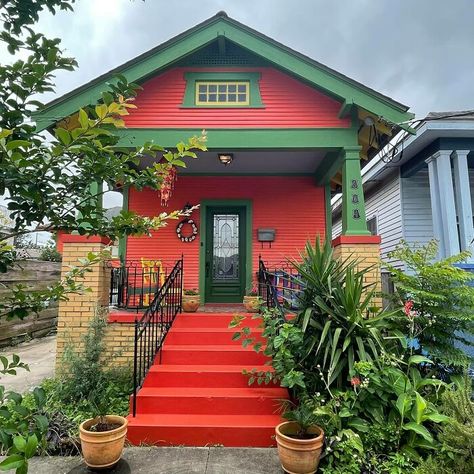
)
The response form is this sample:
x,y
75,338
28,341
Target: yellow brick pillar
x,y
365,249
75,314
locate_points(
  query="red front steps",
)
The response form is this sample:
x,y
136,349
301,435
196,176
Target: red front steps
x,y
198,395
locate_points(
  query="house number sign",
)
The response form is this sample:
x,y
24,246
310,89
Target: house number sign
x,y
191,234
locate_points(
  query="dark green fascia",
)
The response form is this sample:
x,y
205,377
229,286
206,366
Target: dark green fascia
x,y
122,250
192,40
249,233
226,173
327,169
268,138
189,100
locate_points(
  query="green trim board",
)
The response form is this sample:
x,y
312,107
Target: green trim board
x,y
122,249
156,60
244,138
204,205
189,100
327,200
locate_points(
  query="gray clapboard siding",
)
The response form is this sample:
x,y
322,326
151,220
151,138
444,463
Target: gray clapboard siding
x,y
416,206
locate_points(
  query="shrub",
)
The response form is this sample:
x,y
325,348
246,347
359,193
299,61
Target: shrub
x,y
49,253
440,300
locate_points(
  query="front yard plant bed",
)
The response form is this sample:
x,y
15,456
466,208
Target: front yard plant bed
x,y
385,405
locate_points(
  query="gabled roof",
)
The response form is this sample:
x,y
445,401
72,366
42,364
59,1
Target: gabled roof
x,y
346,90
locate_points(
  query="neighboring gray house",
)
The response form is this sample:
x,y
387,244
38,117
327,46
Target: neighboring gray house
x,y
6,224
424,191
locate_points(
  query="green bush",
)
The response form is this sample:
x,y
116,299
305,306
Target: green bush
x,y
439,302
49,253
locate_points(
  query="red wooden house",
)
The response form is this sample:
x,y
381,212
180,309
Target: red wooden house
x,y
284,133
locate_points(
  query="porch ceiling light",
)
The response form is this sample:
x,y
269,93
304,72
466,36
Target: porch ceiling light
x,y
225,158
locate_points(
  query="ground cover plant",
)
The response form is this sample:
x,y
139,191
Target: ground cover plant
x,y
385,405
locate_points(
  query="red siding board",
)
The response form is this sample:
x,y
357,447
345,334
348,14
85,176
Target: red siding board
x,y
288,104
293,206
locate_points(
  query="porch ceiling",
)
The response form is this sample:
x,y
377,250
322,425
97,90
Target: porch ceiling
x,y
253,162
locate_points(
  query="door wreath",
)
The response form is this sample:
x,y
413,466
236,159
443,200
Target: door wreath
x,y
189,237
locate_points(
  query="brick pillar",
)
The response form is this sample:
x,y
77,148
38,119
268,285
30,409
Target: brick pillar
x,y
366,250
74,315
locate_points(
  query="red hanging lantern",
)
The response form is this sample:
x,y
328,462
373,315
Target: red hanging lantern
x,y
168,176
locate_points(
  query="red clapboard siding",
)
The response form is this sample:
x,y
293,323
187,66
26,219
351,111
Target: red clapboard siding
x,y
293,206
288,104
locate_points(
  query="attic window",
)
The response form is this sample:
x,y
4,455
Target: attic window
x,y
222,93
222,89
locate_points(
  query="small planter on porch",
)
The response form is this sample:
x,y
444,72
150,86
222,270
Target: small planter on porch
x,y
191,301
252,300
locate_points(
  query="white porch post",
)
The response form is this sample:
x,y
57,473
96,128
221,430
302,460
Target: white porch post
x,y
448,207
463,199
435,204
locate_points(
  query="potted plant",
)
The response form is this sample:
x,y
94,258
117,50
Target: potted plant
x,y
252,301
102,436
191,301
299,440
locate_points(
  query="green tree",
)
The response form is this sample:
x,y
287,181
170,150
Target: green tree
x,y
439,302
48,182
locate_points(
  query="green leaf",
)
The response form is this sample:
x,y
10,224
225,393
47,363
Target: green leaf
x,y
20,443
83,118
437,418
359,424
17,144
419,407
418,359
419,429
236,336
63,135
12,462
31,446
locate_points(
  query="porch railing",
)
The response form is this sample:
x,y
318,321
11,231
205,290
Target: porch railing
x,y
279,286
152,328
134,283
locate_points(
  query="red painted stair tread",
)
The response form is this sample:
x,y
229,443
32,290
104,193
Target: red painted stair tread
x,y
196,394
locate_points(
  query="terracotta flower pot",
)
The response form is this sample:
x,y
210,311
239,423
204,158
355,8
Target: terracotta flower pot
x,y
103,449
252,304
299,456
191,303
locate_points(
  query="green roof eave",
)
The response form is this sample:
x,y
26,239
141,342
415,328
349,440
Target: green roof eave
x,y
210,30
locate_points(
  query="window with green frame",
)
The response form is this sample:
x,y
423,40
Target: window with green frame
x,y
222,89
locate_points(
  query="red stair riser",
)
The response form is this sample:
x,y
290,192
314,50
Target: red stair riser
x,y
202,436
207,338
198,321
198,379
203,357
210,405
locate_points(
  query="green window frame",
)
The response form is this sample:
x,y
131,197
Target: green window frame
x,y
206,82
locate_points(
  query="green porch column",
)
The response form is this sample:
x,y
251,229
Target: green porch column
x,y
353,204
96,199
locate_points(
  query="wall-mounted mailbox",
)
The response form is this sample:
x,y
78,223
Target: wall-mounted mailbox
x,y
266,235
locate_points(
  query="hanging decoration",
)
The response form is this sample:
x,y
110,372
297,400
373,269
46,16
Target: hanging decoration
x,y
191,234
168,176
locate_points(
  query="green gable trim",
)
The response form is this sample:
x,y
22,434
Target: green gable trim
x,y
221,139
191,78
284,58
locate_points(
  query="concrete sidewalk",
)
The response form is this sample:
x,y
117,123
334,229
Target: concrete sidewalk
x,y
40,355
154,460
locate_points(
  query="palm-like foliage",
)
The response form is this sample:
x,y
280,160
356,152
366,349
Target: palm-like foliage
x,y
334,314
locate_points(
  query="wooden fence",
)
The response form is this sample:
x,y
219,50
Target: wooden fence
x,y
35,274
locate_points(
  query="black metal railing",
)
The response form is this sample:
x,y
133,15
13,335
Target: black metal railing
x,y
152,328
279,286
134,283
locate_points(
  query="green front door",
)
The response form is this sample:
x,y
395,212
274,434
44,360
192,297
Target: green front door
x,y
225,254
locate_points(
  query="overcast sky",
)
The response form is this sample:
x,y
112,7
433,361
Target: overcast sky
x,y
419,52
